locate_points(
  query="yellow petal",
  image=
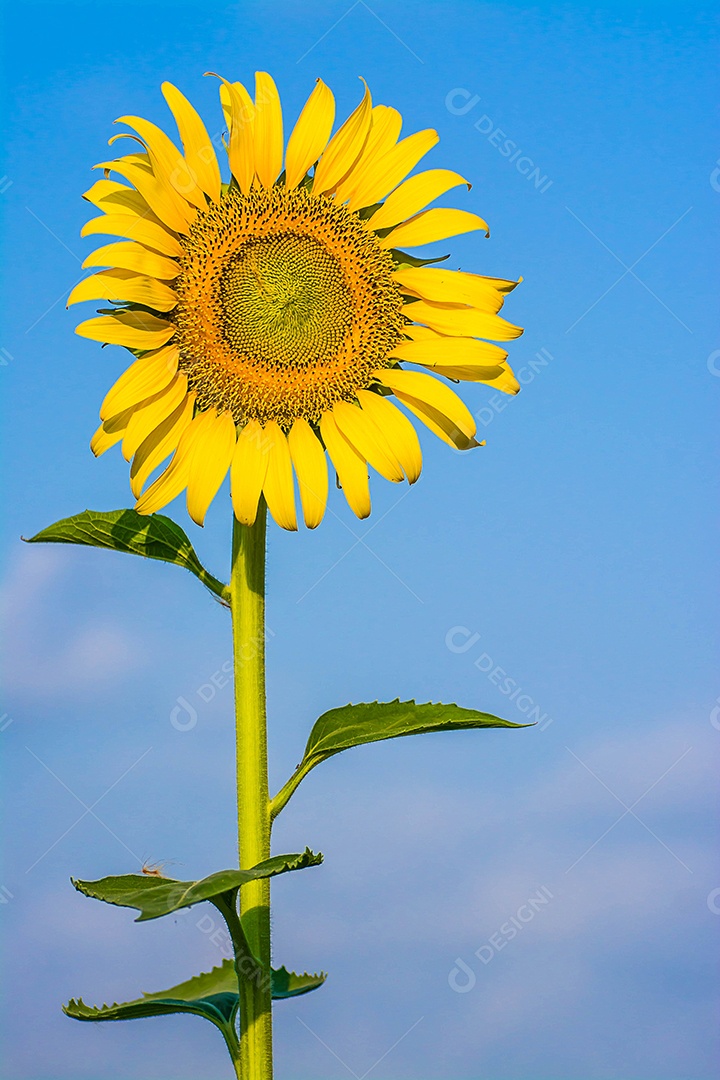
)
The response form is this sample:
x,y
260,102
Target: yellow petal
x,y
278,488
123,285
101,190
134,329
226,103
248,471
450,287
111,431
160,443
461,321
425,388
199,150
145,377
118,422
112,197
431,225
440,424
310,134
267,130
175,477
239,114
385,125
459,358
139,160
429,347
103,439
150,413
398,430
503,285
350,466
127,255
414,194
386,173
171,209
134,228
344,148
502,379
167,162
308,457
369,441
474,284
210,462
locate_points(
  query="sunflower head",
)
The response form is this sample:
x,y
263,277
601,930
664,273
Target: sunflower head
x,y
272,317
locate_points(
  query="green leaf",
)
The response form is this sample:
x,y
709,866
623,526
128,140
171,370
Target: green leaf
x,y
156,896
354,725
286,984
212,995
154,536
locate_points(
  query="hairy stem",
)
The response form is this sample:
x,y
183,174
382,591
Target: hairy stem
x,y
247,603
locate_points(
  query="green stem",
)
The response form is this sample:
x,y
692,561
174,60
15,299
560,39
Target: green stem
x,y
247,602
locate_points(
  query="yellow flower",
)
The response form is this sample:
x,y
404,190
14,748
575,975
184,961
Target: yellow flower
x,y
271,316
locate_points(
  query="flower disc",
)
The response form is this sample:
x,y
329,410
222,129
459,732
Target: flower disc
x,y
287,305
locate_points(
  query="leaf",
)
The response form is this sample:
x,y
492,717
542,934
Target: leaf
x,y
354,725
212,995
286,984
156,896
153,536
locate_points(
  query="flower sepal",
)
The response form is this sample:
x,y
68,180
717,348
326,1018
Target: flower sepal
x,y
402,258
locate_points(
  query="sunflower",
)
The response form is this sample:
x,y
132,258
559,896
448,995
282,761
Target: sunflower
x,y
271,317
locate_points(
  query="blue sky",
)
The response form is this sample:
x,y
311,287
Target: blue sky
x,y
573,552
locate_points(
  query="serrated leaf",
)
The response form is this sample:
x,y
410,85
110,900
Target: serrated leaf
x,y
212,995
156,896
353,725
287,984
154,536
